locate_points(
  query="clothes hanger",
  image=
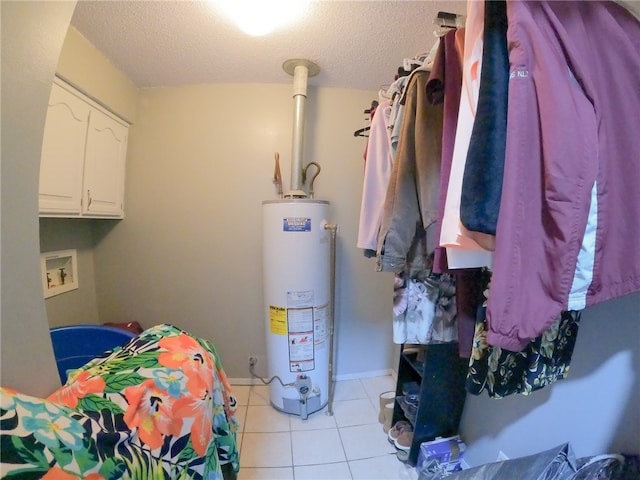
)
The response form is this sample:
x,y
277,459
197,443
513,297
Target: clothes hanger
x,y
374,105
444,22
362,131
383,93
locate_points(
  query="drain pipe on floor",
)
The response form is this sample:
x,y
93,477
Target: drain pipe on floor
x,y
333,228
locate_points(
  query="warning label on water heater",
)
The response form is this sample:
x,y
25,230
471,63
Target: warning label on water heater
x,y
296,224
320,325
300,329
278,320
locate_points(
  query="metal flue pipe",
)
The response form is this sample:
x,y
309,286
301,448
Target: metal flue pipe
x,y
301,70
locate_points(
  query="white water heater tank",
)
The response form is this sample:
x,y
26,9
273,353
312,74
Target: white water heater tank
x,y
296,261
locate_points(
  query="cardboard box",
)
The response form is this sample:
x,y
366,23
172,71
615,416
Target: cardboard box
x,y
448,452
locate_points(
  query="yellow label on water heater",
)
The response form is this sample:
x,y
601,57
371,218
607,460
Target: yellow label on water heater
x,y
278,320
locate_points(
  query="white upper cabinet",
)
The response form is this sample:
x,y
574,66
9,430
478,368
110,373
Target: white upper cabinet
x,y
83,158
63,146
106,150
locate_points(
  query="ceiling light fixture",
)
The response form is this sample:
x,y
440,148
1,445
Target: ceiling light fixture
x,y
260,17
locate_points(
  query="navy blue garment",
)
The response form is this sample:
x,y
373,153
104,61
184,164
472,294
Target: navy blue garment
x,y
484,168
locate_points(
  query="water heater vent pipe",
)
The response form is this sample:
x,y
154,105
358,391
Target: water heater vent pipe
x,y
301,70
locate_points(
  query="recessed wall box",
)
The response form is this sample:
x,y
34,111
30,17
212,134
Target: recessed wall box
x,y
59,272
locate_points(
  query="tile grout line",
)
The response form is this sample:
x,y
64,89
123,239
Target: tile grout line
x,y
345,452
293,460
372,401
342,441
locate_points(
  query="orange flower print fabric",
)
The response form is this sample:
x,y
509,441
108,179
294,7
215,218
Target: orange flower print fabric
x,y
56,473
184,353
201,409
83,385
151,412
159,407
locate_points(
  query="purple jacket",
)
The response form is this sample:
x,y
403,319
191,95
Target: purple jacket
x,y
568,233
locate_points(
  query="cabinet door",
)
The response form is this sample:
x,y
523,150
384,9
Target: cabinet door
x,y
103,186
63,149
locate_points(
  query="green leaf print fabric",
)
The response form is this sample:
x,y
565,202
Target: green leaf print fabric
x,y
159,407
544,361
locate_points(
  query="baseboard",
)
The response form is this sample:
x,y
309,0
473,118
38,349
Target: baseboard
x,y
336,378
361,375
244,381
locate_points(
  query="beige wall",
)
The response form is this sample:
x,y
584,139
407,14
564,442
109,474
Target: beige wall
x,y
32,36
77,306
85,67
88,69
595,408
200,164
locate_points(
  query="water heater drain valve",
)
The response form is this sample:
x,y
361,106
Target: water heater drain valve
x,y
303,385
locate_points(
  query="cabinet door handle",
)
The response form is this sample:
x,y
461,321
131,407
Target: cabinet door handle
x,y
88,198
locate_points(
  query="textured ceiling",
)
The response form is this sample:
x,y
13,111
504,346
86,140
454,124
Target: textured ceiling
x,y
356,44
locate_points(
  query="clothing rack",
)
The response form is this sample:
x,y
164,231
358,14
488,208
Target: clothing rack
x,y
448,20
444,21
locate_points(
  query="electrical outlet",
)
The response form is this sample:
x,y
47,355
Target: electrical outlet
x,y
253,361
502,456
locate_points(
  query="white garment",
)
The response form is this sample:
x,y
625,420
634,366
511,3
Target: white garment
x,y
377,171
462,251
424,310
415,324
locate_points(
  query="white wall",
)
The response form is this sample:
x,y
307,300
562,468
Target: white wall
x,y
189,252
596,408
32,36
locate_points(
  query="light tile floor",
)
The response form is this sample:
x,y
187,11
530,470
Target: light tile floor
x,y
348,445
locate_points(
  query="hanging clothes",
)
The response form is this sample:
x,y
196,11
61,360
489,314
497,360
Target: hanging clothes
x,y
424,308
484,167
569,223
444,86
383,139
412,196
545,359
377,171
462,251
406,238
397,111
468,287
414,307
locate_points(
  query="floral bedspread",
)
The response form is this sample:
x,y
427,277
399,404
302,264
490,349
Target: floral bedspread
x,y
159,407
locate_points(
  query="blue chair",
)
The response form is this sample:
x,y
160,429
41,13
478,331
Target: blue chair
x,y
76,345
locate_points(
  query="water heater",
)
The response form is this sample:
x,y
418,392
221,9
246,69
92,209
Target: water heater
x,y
296,269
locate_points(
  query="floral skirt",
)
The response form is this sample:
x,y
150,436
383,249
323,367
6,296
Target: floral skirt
x,y
543,361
